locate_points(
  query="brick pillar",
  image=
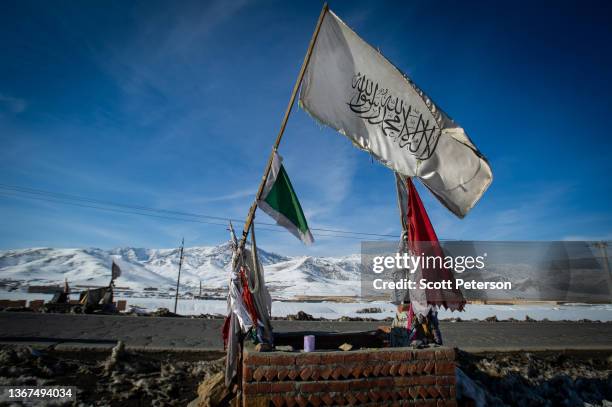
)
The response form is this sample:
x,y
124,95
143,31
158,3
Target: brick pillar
x,y
387,376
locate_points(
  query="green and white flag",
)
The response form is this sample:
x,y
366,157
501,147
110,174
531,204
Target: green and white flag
x,y
280,202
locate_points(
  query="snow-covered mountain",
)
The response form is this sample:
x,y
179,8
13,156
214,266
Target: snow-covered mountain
x,y
142,268
286,277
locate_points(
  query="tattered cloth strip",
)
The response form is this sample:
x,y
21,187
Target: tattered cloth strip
x,y
261,296
249,306
236,326
232,356
235,302
225,330
424,329
247,297
352,88
419,239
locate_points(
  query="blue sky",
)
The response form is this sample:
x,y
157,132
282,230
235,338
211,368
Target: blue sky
x,y
175,105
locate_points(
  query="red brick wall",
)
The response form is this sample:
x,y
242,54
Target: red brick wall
x,y
36,304
388,376
12,303
121,305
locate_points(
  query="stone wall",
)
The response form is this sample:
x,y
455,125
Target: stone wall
x,y
373,377
36,305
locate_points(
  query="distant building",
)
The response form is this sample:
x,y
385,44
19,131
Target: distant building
x,y
44,289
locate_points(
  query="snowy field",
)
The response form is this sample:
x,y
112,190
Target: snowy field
x,y
287,278
332,310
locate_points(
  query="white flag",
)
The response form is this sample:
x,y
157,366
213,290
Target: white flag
x,y
351,87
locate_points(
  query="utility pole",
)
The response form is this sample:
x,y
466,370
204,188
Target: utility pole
x,y
178,278
603,246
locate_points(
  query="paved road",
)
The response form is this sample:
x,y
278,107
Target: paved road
x,y
202,334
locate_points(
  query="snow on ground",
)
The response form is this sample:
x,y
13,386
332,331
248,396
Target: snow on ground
x,y
287,278
332,310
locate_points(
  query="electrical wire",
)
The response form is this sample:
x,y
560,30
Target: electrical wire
x,y
69,197
66,199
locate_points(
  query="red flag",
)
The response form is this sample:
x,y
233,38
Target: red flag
x,y
419,225
422,241
247,297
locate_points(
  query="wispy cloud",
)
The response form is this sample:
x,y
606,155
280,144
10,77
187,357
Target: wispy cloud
x,y
147,66
526,214
12,104
176,107
239,194
589,238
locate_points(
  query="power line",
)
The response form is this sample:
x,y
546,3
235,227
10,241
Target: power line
x,y
135,212
65,198
55,200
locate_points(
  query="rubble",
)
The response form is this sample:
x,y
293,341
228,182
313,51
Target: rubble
x,y
541,379
372,310
302,316
117,353
345,347
164,378
164,312
212,392
123,377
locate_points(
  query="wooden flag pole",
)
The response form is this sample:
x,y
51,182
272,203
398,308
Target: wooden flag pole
x,y
253,208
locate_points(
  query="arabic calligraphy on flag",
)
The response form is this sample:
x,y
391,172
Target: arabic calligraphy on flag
x,y
396,119
351,87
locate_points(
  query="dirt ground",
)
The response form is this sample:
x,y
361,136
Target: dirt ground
x,y
205,334
139,378
542,378
120,378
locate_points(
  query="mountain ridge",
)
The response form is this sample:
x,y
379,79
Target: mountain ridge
x,y
143,268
